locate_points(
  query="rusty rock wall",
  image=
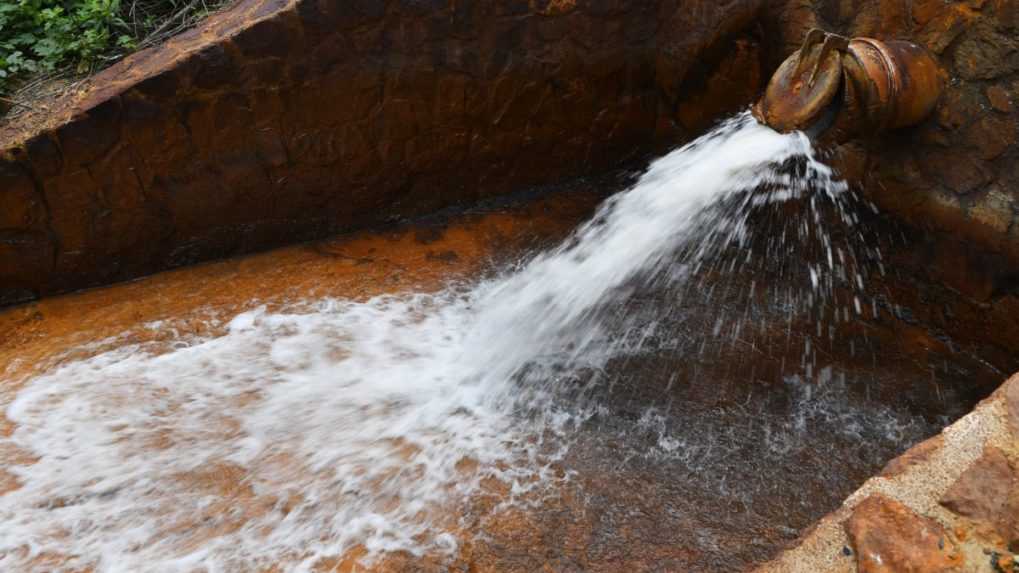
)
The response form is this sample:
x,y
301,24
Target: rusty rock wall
x,y
957,173
278,121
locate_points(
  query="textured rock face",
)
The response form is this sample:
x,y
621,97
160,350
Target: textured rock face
x,y
279,121
987,494
955,173
982,491
888,537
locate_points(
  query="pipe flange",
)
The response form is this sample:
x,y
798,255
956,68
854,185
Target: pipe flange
x,y
805,84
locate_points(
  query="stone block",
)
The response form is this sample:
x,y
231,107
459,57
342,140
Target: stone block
x,y
888,537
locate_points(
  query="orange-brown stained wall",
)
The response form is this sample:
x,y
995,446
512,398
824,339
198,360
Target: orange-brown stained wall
x,y
279,121
957,173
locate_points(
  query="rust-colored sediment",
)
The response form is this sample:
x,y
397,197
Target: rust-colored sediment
x,y
568,529
421,258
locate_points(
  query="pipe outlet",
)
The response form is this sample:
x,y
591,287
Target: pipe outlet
x,y
836,89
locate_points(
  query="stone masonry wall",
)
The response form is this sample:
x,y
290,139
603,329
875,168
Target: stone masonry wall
x,y
283,120
957,174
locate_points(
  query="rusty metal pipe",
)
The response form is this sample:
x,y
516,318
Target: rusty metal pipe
x,y
912,75
837,89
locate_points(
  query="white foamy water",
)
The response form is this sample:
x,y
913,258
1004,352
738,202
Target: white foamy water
x,y
339,424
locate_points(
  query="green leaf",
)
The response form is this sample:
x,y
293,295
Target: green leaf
x,y
76,34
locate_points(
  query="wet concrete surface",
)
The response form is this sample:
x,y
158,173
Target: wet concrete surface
x,y
707,448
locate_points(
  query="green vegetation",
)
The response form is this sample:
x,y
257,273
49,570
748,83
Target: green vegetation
x,y
46,36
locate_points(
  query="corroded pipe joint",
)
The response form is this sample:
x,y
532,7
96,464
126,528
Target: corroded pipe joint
x,y
906,77
837,89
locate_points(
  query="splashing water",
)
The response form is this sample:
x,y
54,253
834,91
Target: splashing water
x,y
341,424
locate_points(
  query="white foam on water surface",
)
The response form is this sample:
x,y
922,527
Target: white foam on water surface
x,y
337,424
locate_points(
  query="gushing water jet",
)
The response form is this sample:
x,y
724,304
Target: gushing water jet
x,y
836,89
